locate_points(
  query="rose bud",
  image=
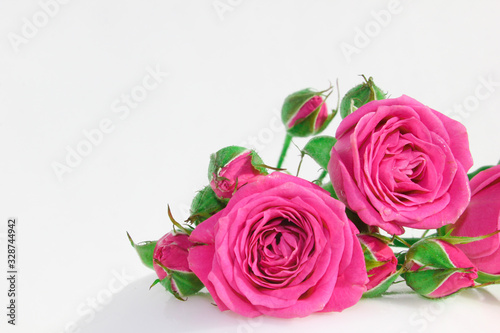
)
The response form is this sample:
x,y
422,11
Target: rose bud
x,y
171,265
359,96
435,268
381,264
304,113
482,217
232,167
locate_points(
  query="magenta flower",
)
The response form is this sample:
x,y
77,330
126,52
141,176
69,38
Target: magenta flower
x,y
282,247
398,163
482,217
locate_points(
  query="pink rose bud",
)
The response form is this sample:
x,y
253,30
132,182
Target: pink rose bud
x,y
381,264
304,113
171,265
435,268
482,217
231,168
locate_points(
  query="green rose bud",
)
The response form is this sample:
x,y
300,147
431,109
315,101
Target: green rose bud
x,y
304,113
232,167
435,268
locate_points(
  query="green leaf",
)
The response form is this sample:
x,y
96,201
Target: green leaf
x,y
487,278
144,250
382,287
472,174
359,96
204,205
319,148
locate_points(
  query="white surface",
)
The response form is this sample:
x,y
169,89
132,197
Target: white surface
x,y
227,80
397,313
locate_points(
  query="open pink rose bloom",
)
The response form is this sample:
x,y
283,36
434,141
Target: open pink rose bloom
x,y
282,247
482,217
398,163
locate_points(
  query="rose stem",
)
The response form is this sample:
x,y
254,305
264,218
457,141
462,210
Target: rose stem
x,y
286,144
322,176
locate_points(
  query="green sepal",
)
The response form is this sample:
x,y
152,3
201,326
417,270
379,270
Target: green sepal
x,y
424,282
204,205
319,148
462,240
472,174
401,257
371,264
294,102
359,96
144,250
154,283
179,284
430,254
187,283
443,230
329,187
382,287
487,278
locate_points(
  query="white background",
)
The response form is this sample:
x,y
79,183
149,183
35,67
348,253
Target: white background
x,y
228,73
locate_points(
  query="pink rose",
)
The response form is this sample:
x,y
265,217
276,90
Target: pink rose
x,y
380,256
482,217
172,252
282,247
398,163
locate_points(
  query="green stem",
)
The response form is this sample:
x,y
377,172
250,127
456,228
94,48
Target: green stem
x,y
404,242
300,163
286,144
319,181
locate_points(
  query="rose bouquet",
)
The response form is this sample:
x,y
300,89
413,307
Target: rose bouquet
x,y
265,242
